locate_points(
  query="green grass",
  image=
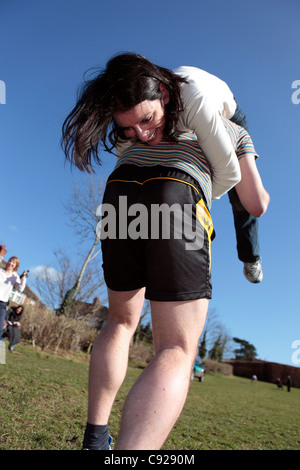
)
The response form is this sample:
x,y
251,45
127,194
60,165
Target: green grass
x,y
226,413
43,403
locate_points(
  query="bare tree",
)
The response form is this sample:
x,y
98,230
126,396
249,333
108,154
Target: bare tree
x,y
215,337
53,284
82,211
69,282
82,208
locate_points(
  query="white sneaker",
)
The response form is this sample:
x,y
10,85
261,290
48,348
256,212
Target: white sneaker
x,y
253,272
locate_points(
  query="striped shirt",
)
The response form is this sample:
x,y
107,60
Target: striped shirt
x,y
186,155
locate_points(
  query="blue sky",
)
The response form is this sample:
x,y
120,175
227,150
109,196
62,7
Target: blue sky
x,y
46,47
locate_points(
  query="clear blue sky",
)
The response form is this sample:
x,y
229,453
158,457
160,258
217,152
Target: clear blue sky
x,y
253,45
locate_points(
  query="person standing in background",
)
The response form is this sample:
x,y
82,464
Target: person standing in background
x,y
9,280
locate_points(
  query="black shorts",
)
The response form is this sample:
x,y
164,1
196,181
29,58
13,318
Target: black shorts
x,y
156,233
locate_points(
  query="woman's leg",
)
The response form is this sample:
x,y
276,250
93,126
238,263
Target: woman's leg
x,y
157,398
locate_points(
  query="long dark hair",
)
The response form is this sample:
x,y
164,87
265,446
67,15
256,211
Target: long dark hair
x,y
13,311
127,80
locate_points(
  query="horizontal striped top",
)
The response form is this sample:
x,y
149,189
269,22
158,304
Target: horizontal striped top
x,y
186,155
241,140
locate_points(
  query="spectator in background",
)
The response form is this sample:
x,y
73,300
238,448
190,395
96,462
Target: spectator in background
x,y
12,325
9,280
279,383
254,379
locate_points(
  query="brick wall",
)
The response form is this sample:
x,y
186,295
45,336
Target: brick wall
x,y
267,371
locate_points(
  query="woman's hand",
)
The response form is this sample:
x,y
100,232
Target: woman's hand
x,y
3,251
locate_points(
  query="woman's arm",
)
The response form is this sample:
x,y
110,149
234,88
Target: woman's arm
x,y
20,283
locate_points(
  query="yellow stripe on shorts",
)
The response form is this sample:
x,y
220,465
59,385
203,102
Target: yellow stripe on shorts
x,y
205,220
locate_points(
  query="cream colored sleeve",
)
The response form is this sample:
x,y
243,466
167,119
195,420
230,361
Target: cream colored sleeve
x,y
201,116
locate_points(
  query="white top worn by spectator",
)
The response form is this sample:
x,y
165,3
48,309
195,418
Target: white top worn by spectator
x,y
8,282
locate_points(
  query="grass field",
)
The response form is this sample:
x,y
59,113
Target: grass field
x,y
44,401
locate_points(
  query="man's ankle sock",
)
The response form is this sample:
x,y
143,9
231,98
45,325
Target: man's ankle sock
x,y
96,437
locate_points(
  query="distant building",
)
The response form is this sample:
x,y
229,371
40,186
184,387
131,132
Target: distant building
x,y
27,297
94,313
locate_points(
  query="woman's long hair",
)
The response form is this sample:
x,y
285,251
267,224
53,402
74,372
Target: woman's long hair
x,y
127,80
14,309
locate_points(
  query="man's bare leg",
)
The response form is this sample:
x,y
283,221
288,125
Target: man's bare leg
x,y
157,398
110,353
